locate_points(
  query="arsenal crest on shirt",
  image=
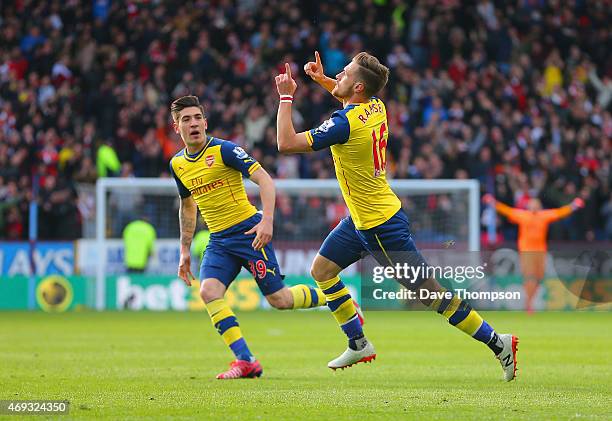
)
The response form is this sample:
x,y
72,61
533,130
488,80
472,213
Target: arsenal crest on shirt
x,y
210,160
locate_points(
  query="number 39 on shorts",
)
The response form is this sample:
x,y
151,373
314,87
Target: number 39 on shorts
x,y
258,268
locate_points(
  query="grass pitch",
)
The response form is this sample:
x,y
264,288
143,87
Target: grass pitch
x,y
162,366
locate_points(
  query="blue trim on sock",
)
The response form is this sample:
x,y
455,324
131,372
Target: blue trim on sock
x,y
460,314
443,305
333,305
241,350
334,288
484,333
223,325
313,297
352,328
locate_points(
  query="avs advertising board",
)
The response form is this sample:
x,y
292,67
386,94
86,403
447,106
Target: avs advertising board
x,y
48,258
40,277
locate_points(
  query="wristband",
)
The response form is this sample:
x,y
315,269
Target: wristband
x,y
286,98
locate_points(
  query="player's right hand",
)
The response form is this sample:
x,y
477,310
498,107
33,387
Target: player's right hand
x,y
314,69
285,83
184,269
488,199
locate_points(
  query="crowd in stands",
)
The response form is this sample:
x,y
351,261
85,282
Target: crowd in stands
x,y
516,94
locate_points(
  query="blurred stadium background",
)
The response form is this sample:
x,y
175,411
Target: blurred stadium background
x,y
515,95
512,98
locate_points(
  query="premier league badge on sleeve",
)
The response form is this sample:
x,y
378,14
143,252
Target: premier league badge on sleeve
x,y
240,153
325,126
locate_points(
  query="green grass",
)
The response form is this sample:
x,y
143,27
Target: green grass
x,y
162,366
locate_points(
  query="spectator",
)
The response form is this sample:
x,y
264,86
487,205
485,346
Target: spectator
x,y
498,91
58,214
255,126
107,161
138,245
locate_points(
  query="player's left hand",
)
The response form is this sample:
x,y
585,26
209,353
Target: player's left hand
x,y
314,69
285,83
577,203
263,234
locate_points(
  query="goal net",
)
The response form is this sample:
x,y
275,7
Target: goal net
x,y
440,212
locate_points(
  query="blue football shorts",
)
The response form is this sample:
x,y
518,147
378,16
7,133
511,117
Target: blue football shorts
x,y
230,250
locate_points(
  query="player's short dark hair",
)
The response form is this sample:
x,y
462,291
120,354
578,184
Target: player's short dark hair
x,y
183,102
372,73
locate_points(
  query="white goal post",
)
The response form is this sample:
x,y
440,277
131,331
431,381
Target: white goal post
x,y
460,203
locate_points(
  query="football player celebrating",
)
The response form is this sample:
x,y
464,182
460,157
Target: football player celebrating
x,y
357,135
533,225
208,173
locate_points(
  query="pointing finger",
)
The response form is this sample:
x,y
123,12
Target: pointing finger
x,y
287,69
317,58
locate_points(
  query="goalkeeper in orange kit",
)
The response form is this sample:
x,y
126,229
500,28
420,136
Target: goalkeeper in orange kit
x,y
532,231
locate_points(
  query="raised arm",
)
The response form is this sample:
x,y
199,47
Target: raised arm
x,y
263,230
553,215
505,210
595,80
188,214
288,140
314,69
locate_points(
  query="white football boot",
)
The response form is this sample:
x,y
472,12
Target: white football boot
x,y
350,357
507,357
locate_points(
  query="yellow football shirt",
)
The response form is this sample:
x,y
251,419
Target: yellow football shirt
x,y
357,136
213,177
